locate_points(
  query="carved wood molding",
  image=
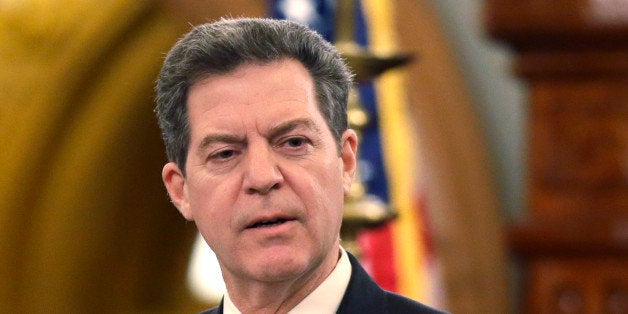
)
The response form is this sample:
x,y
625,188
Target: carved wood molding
x,y
574,54
550,24
574,238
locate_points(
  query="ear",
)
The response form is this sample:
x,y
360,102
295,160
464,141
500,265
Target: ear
x,y
348,154
174,180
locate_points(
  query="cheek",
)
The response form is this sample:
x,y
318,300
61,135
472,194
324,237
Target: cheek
x,y
211,203
215,191
329,196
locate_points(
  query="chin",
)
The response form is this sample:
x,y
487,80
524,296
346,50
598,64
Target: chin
x,y
281,267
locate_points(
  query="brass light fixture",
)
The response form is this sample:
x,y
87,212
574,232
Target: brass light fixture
x,y
362,210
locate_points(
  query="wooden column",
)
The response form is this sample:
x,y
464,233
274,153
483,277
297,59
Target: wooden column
x,y
573,239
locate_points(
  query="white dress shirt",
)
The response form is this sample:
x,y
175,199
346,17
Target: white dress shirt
x,y
324,299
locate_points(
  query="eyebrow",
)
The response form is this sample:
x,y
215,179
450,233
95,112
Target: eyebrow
x,y
274,131
291,125
219,138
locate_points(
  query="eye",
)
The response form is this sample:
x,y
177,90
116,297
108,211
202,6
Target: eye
x,y
295,145
295,142
225,154
222,155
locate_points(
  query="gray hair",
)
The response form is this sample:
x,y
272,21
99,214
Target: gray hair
x,y
220,47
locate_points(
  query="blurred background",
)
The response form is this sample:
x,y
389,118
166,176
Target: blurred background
x,y
498,149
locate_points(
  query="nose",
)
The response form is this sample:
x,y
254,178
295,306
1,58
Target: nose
x,y
262,174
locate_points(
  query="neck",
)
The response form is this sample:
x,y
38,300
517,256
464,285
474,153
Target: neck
x,y
281,296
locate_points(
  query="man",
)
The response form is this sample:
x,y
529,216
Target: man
x,y
253,114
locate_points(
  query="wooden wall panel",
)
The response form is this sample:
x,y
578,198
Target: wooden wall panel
x,y
574,239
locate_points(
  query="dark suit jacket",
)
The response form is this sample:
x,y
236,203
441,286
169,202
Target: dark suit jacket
x,y
364,296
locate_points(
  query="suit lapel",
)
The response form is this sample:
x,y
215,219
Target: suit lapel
x,y
215,310
363,295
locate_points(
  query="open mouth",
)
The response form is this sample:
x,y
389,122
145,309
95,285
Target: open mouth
x,y
268,223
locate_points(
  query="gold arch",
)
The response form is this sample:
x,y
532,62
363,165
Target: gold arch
x,y
83,214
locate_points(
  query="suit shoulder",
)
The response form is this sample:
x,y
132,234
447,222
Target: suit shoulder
x,y
214,310
399,304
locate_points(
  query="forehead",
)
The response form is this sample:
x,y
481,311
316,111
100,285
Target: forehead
x,y
279,89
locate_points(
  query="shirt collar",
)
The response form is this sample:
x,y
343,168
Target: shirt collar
x,y
324,299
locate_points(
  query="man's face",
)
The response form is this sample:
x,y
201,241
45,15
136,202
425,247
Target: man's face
x,y
265,181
